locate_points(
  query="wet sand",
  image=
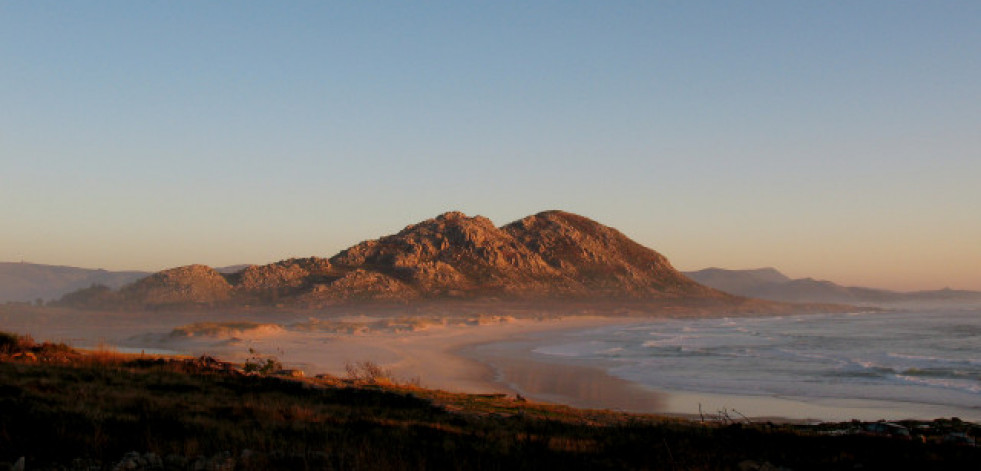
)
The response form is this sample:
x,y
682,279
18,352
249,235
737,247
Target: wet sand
x,y
573,385
580,384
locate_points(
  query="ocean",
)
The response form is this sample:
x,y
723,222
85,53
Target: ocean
x,y
890,365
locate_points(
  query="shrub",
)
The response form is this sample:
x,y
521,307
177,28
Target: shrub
x,y
8,342
13,343
367,371
263,366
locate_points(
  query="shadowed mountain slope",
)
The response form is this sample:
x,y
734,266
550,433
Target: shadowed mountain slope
x,y
738,281
26,282
768,283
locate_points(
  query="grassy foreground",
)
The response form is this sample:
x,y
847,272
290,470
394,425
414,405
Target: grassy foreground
x,y
65,409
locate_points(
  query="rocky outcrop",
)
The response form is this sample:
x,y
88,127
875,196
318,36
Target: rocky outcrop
x,y
550,255
360,285
275,281
192,284
292,273
453,255
599,258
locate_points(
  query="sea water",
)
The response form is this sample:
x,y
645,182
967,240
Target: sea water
x,y
911,363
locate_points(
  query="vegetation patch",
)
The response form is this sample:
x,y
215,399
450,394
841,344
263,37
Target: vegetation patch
x,y
65,409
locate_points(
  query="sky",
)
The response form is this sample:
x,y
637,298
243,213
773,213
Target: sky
x,y
838,140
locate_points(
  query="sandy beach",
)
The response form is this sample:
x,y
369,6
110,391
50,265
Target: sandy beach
x,y
475,354
426,351
433,356
433,353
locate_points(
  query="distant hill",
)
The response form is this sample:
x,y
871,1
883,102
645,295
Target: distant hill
x,y
232,268
27,282
768,283
553,255
738,281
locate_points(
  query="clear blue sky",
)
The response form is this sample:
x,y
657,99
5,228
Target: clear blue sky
x,y
840,140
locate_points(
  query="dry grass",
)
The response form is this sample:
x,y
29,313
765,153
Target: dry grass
x,y
103,404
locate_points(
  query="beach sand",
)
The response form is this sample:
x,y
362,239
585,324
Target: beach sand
x,y
438,353
424,351
432,357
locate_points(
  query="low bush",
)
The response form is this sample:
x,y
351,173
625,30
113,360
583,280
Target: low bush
x,y
57,414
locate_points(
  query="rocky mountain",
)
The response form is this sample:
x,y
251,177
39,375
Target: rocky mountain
x,y
552,255
768,283
192,284
27,282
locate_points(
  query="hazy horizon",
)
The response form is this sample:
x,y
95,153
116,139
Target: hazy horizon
x,y
833,141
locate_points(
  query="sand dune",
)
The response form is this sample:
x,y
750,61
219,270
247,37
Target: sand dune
x,y
422,349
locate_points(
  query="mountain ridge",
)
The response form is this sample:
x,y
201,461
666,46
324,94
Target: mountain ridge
x,y
550,255
770,284
28,282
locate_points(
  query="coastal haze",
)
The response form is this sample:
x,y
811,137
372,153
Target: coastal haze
x,y
555,307
832,141
567,202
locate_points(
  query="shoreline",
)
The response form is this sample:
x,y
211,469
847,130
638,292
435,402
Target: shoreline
x,y
497,358
191,413
434,358
554,379
469,355
481,359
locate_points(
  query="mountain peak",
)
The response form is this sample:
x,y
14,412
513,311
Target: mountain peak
x,y
450,254
451,215
552,254
600,257
187,284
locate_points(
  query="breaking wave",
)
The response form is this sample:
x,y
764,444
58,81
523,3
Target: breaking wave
x,y
919,357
